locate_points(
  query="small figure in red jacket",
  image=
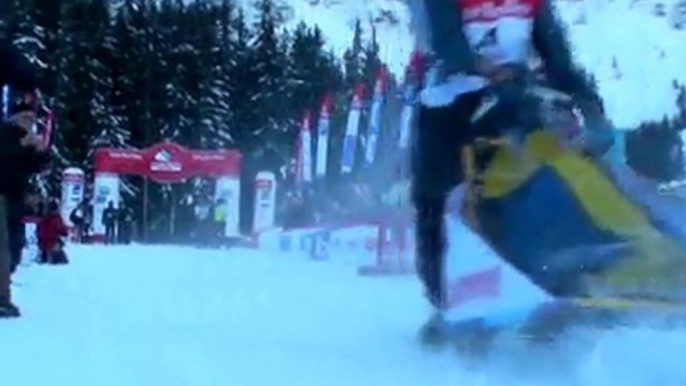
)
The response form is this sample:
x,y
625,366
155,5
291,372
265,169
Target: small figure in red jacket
x,y
50,231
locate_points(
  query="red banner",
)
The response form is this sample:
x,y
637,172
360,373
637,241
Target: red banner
x,y
168,162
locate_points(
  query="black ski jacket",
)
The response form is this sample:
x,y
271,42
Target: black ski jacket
x,y
18,163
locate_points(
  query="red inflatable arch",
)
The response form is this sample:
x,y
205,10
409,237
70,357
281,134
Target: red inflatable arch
x,y
166,162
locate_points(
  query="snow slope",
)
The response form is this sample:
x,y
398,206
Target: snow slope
x,y
171,316
634,55
648,53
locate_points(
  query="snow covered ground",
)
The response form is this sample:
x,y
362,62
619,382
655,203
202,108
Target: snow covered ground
x,y
173,316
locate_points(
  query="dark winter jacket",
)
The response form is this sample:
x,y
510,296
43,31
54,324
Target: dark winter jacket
x,y
50,230
20,163
455,30
15,70
109,217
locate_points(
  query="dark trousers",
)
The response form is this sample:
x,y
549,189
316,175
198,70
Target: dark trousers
x,y
5,256
110,237
16,231
124,234
57,257
436,169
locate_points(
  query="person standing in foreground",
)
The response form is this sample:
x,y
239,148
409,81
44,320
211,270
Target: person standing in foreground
x,y
16,141
31,161
477,45
23,150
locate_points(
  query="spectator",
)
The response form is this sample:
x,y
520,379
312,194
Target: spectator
x,y
31,161
219,219
50,232
125,222
18,143
202,218
20,147
109,220
79,217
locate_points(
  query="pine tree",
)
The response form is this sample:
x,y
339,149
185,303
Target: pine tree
x,y
21,28
212,41
268,61
132,65
44,16
239,74
107,128
371,63
312,72
217,91
75,86
354,59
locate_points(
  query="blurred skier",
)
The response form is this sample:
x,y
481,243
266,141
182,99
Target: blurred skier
x,y
478,48
18,74
398,216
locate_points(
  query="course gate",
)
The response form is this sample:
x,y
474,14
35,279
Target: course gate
x,y
167,163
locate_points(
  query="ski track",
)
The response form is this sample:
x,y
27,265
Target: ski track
x,y
146,315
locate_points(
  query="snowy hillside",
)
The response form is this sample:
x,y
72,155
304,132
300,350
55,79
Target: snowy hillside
x,y
648,52
336,19
634,54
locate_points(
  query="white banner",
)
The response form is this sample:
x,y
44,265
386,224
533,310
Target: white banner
x,y
323,137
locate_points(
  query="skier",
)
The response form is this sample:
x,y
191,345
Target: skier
x,y
18,74
479,48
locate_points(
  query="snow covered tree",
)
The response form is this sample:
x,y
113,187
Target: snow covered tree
x,y
84,83
354,58
44,17
17,25
168,97
268,62
20,27
107,129
239,71
217,91
312,70
371,63
212,115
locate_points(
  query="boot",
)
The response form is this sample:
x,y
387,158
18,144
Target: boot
x,y
432,332
8,310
